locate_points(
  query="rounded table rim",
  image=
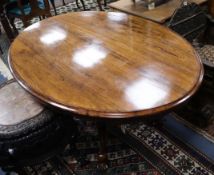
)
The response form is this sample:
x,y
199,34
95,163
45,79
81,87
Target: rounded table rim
x,y
113,115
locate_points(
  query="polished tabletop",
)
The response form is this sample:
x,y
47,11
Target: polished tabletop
x,y
109,65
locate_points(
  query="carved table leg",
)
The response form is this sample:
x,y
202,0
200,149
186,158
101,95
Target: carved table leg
x,y
102,156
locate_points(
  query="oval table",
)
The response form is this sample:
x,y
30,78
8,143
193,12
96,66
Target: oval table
x,y
105,65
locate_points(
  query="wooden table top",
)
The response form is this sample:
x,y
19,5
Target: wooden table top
x,y
160,14
110,65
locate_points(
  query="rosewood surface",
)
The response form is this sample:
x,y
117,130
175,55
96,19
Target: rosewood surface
x,y
108,65
160,14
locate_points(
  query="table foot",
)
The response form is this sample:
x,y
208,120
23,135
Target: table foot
x,y
102,162
102,166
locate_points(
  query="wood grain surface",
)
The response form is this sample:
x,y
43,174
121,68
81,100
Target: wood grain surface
x,y
160,14
108,65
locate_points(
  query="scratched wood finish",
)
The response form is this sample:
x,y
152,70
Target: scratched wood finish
x,y
160,14
109,65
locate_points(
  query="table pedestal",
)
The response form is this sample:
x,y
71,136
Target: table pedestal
x,y
102,155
